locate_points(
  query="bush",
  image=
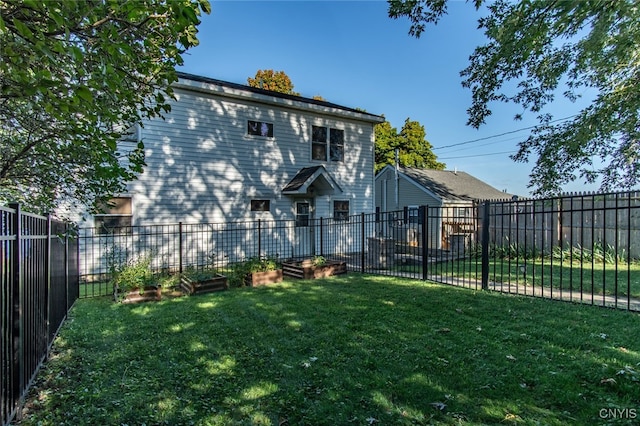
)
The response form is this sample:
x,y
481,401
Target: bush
x,y
133,274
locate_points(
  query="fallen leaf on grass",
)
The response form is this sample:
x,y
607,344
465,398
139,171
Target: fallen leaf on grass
x,y
444,330
438,405
511,358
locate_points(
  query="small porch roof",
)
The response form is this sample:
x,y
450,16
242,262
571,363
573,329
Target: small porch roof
x,y
312,181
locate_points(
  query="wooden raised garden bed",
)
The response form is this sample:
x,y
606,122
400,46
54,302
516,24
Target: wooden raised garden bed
x,y
208,285
149,293
262,278
306,269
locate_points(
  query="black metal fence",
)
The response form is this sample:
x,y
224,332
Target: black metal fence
x,y
582,247
39,274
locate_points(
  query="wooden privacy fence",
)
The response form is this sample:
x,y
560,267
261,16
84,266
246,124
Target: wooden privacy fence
x,y
39,275
576,221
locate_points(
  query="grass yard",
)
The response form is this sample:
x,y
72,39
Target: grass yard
x,y
599,278
349,350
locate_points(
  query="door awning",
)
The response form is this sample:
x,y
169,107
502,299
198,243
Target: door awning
x,y
312,181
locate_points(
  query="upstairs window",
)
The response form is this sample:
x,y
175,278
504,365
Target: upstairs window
x,y
321,145
336,146
260,128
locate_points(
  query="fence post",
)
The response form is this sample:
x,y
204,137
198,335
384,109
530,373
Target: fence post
x,y
47,287
321,237
67,281
180,247
17,300
259,239
425,239
362,229
485,245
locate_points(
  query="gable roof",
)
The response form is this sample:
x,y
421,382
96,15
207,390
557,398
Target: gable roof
x,y
309,176
235,90
451,185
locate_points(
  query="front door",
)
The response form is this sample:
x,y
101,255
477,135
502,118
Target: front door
x,y
304,234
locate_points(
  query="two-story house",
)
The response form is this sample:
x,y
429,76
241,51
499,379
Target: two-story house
x,y
227,152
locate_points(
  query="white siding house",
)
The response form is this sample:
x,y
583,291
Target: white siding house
x,y
230,152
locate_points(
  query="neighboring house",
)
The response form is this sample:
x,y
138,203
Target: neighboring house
x,y
450,195
229,152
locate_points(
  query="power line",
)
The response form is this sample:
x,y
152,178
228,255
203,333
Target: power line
x,y
486,144
501,134
478,155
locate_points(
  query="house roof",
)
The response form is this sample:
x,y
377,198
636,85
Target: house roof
x,y
452,185
317,177
231,89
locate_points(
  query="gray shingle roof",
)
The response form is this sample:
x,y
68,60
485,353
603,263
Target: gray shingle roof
x,y
301,178
454,185
316,178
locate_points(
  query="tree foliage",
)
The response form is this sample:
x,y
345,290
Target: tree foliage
x,y
74,76
537,51
276,81
413,148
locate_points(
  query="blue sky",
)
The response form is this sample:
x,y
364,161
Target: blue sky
x,y
351,53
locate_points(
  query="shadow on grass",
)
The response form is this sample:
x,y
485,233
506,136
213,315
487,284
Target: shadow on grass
x,y
348,350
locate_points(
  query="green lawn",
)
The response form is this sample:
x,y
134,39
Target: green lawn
x,y
346,350
598,278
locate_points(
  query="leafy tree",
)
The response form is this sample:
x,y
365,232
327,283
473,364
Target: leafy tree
x,y
539,49
276,81
74,76
413,148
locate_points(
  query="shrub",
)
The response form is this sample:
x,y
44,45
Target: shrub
x,y
133,274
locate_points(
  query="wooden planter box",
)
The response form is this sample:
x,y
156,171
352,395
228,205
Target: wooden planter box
x,y
149,293
262,278
217,283
306,269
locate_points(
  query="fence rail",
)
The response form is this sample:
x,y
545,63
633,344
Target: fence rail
x,y
583,247
39,274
